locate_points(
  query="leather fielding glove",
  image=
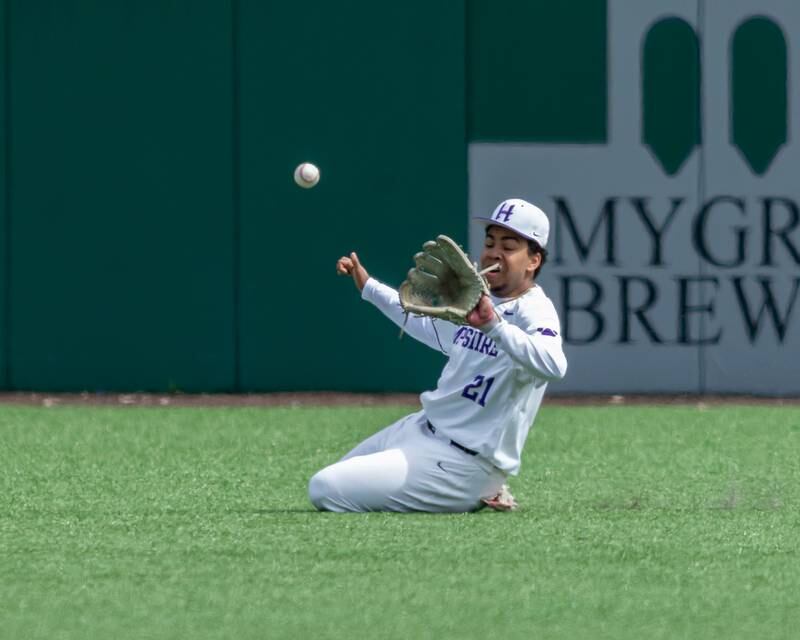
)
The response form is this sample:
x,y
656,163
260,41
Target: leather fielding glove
x,y
443,283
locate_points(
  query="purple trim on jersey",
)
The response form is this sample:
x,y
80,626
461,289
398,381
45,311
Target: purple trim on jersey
x,y
546,332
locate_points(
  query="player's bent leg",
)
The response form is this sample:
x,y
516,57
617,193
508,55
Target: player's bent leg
x,y
443,478
383,439
416,472
360,483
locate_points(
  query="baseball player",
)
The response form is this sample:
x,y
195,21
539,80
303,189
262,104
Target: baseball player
x,y
455,454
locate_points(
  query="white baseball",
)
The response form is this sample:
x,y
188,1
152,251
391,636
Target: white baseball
x,y
306,175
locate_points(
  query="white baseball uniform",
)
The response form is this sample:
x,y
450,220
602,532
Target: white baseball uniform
x,y
472,427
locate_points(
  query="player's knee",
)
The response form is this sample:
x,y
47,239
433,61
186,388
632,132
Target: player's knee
x,y
320,490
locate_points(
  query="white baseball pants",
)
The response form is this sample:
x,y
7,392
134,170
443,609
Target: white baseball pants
x,y
406,467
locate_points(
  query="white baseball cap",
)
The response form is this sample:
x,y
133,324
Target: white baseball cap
x,y
520,216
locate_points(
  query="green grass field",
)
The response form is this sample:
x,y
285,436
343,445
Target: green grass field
x,y
656,522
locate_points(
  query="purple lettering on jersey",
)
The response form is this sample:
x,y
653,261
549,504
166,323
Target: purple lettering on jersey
x,y
547,332
475,340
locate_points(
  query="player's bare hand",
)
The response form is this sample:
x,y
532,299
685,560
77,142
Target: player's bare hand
x,y
351,266
482,314
503,501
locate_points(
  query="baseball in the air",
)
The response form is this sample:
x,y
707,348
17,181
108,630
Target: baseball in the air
x,y
306,175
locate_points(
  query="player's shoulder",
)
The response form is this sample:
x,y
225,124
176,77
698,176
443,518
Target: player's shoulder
x,y
535,310
535,300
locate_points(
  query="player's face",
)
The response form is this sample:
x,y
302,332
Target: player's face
x,y
510,250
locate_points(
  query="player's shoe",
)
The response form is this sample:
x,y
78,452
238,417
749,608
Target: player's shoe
x,y
503,501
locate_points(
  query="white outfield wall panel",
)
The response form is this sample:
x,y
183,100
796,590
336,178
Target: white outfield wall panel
x,y
670,306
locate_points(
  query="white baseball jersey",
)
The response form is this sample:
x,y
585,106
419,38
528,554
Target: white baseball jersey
x,y
492,385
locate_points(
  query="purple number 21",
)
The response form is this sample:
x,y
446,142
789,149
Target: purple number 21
x,y
472,390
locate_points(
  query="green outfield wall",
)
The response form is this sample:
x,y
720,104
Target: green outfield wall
x,y
121,269
152,238
373,93
5,338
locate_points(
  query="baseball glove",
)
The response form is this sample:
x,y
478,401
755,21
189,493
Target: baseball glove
x,y
444,283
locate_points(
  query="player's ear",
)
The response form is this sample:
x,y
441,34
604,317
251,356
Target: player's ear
x,y
533,264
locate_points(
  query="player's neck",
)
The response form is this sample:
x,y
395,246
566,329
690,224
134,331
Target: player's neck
x,y
514,295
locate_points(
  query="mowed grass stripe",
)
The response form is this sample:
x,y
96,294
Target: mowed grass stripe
x,y
667,522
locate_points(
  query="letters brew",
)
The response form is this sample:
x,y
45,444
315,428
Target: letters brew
x,y
758,232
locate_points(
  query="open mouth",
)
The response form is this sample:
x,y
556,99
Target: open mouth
x,y
493,275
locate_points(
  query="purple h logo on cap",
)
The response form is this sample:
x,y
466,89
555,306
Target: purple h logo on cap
x,y
505,210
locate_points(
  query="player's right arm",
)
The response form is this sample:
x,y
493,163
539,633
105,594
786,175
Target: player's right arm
x,y
436,335
536,345
351,266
